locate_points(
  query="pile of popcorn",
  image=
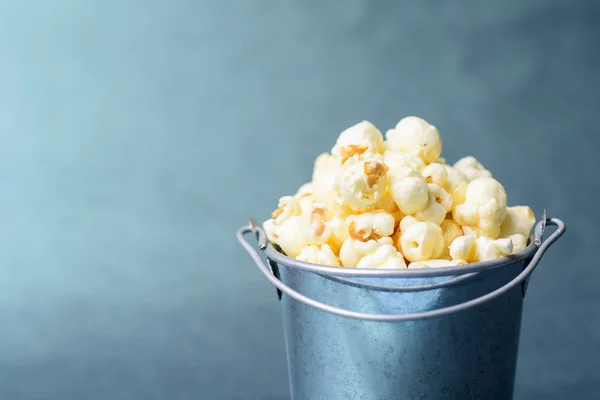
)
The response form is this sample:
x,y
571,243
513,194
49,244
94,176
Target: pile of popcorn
x,y
394,203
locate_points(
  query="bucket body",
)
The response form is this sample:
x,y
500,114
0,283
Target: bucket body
x,y
465,355
449,333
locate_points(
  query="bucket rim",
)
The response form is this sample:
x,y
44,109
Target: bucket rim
x,y
272,254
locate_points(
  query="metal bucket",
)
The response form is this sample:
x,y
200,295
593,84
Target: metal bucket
x,y
456,333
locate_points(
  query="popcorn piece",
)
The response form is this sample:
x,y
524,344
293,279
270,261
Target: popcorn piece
x,y
307,188
471,168
288,207
519,242
271,230
450,230
415,135
436,263
408,189
433,212
370,225
306,200
339,233
324,175
336,206
484,207
309,206
475,232
441,160
442,197
420,240
456,185
318,255
361,139
406,222
436,173
362,183
353,250
388,205
385,257
291,235
395,159
487,249
518,219
481,249
317,231
307,203
299,231
463,248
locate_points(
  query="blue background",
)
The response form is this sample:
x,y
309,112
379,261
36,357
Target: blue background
x,y
137,136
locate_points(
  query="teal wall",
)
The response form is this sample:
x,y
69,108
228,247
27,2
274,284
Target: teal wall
x,y
137,136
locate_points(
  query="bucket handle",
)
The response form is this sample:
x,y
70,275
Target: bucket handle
x,y
543,247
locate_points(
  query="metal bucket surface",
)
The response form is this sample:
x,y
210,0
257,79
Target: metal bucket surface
x,y
456,333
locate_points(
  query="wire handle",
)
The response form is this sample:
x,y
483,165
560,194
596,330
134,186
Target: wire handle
x,y
543,247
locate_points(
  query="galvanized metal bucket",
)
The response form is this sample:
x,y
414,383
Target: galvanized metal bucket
x,y
458,336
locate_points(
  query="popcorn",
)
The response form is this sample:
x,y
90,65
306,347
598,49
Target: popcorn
x,y
353,250
519,242
325,171
415,135
408,189
475,232
433,212
339,233
375,203
291,235
406,222
307,203
436,263
518,219
370,225
463,248
471,168
436,173
292,230
395,159
361,139
388,205
306,200
420,240
481,249
456,185
271,230
442,197
317,231
450,230
480,190
385,257
487,249
318,255
288,207
362,183
307,188
335,205
484,207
